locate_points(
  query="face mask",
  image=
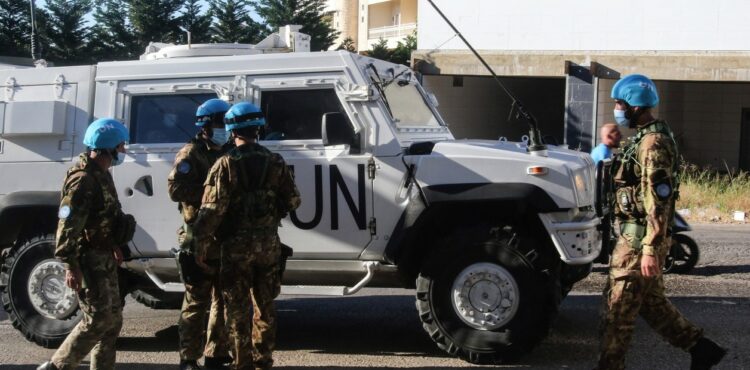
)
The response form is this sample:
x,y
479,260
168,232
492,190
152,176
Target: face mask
x,y
621,119
116,158
220,136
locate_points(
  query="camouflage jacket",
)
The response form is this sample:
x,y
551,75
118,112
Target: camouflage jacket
x,y
89,211
248,191
646,184
191,165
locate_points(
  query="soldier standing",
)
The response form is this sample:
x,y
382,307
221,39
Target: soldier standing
x,y
646,187
90,232
202,288
247,193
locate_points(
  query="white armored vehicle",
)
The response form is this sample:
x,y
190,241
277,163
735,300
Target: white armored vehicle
x,y
491,234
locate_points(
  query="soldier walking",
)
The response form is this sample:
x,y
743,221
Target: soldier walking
x,y
646,187
90,232
202,288
247,193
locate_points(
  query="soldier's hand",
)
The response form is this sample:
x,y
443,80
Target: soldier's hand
x,y
649,266
117,252
200,260
73,279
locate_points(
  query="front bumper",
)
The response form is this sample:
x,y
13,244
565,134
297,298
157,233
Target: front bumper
x,y
577,242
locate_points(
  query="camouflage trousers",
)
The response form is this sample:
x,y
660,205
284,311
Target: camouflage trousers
x,y
201,326
629,294
101,305
255,283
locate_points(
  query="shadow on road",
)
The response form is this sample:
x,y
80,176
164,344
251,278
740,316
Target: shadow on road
x,y
719,270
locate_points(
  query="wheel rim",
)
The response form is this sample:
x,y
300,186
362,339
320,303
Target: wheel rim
x,y
48,293
485,296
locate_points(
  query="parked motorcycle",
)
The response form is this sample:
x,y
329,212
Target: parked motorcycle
x,y
684,252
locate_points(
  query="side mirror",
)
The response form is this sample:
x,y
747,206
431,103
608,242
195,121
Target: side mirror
x,y
336,130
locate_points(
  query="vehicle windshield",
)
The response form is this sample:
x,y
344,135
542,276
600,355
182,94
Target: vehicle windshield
x,y
408,105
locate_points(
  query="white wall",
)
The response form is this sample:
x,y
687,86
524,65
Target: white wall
x,y
588,24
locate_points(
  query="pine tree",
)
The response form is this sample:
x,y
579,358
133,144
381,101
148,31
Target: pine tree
x,y
199,24
155,20
15,28
112,37
232,22
310,14
380,50
348,45
402,53
66,31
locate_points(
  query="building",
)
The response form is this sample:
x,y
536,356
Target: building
x,y
367,21
562,58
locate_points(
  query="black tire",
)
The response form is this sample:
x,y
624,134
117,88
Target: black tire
x,y
158,300
16,272
683,255
517,335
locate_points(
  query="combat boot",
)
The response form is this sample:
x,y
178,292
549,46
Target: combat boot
x,y
189,365
705,354
217,363
47,366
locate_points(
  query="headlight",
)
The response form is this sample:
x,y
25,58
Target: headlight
x,y
584,185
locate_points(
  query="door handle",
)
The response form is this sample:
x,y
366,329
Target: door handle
x,y
145,185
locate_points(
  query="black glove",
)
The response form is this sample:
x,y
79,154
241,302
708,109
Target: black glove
x,y
125,229
190,272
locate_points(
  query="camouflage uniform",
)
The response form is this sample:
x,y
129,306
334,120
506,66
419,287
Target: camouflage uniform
x,y
202,298
645,191
88,231
247,193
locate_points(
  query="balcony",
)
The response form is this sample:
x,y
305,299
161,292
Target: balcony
x,y
391,32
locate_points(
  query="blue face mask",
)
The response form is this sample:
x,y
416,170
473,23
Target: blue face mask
x,y
621,119
220,136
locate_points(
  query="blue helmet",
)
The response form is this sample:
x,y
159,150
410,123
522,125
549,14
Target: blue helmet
x,y
105,133
243,115
212,108
636,90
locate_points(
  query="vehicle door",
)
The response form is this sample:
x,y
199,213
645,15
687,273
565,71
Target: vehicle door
x,y
335,218
161,118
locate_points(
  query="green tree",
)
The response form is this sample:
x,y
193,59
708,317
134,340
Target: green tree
x,y
402,53
15,29
310,14
197,22
232,22
348,45
155,20
380,50
112,36
66,31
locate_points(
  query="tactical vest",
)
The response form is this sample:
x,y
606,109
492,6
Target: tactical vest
x,y
255,206
626,169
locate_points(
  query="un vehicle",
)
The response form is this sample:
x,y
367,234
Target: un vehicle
x,y
490,234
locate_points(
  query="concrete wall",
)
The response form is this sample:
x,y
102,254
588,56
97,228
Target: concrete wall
x,y
479,109
588,24
705,117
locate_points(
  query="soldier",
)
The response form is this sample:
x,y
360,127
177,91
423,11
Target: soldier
x,y
90,232
645,186
247,193
202,289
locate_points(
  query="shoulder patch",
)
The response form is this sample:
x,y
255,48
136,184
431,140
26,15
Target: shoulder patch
x,y
64,212
663,191
183,167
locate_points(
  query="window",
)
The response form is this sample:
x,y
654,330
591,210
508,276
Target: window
x,y
297,114
164,118
408,106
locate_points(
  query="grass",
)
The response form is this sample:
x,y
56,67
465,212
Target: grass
x,y
711,195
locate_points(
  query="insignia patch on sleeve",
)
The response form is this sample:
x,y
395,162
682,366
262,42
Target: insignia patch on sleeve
x,y
183,167
64,212
663,191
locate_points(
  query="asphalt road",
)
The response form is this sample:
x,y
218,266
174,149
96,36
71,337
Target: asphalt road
x,y
379,328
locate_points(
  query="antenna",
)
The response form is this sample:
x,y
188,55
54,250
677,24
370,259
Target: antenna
x,y
36,53
535,142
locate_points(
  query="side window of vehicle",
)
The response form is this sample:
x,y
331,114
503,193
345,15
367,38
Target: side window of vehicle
x,y
164,118
297,114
